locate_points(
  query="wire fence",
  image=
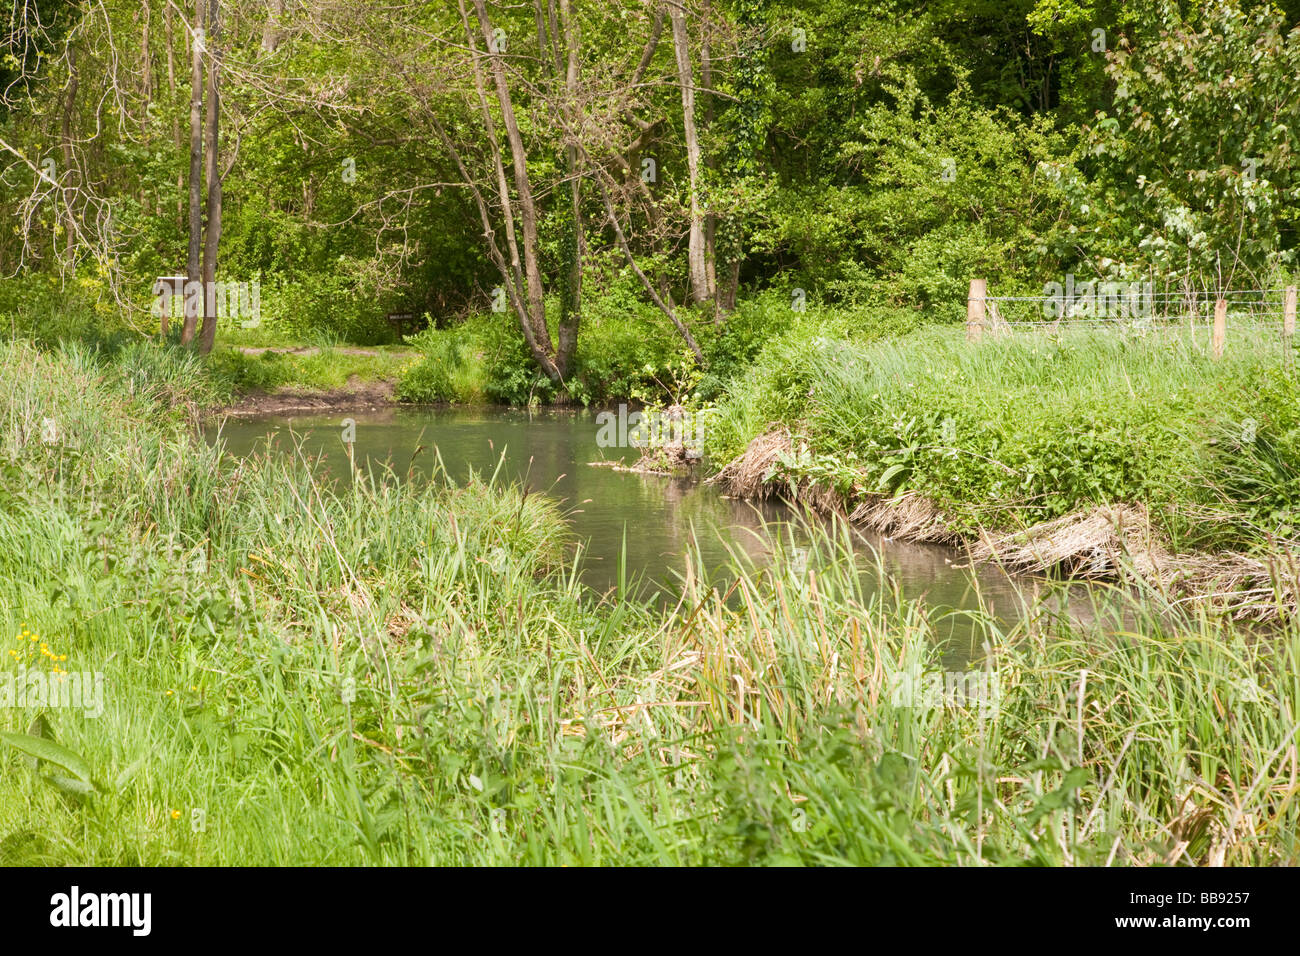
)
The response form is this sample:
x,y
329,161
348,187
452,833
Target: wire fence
x,y
1130,306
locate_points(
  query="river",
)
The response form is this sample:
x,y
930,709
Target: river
x,y
653,520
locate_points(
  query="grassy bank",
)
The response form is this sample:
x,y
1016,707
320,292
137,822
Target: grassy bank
x,y
381,674
307,370
627,350
1016,432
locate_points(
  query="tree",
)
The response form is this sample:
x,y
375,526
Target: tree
x,y
212,172
193,268
1195,170
520,265
701,287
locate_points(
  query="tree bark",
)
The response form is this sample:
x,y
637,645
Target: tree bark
x,y
146,95
710,220
193,265
648,53
699,269
529,301
571,313
146,69
212,155
727,293
65,139
176,122
271,31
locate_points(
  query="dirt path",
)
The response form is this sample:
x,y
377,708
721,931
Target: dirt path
x,y
315,350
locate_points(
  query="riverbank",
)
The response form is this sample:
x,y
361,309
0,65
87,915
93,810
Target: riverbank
x,y
281,379
1080,454
1085,453
300,672
354,395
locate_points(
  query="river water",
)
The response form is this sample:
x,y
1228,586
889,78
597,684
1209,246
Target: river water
x,y
652,519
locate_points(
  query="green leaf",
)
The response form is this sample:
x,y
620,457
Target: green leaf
x,y
126,776
890,473
76,788
49,751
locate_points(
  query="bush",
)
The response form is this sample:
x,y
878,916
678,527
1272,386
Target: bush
x,y
43,309
624,348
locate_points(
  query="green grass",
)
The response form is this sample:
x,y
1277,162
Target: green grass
x,y
1030,428
329,369
384,674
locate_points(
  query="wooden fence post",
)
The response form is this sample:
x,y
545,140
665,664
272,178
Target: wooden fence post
x,y
975,309
1220,335
1288,325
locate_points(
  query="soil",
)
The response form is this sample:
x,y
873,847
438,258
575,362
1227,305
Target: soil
x,y
314,350
355,395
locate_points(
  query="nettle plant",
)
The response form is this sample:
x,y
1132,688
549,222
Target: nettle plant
x,y
1195,161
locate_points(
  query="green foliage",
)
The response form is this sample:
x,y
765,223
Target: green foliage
x,y
374,671
927,197
625,346
626,351
1025,430
45,309
1196,174
870,152
482,359
313,369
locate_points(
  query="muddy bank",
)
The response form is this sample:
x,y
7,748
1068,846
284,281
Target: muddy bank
x,y
1108,542
356,395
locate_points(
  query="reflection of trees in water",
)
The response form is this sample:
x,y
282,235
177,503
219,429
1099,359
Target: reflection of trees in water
x,y
693,507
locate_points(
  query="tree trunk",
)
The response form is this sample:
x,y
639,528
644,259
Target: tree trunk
x,y
727,294
571,313
65,137
529,302
711,219
271,31
212,153
176,123
699,269
192,267
146,69
146,96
